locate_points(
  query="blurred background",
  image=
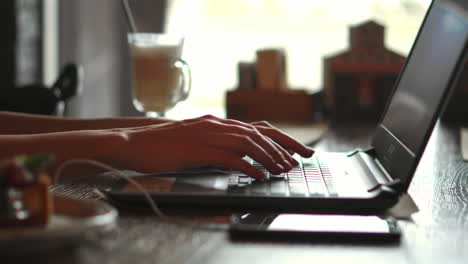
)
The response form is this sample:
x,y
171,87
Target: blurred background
x,y
40,36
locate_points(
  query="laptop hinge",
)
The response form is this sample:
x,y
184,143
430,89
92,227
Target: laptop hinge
x,y
380,178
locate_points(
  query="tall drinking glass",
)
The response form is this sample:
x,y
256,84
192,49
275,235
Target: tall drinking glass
x,y
161,78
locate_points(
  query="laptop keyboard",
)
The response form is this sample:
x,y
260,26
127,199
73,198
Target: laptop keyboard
x,y
312,178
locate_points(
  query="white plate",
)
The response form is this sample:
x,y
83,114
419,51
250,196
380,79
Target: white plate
x,y
73,220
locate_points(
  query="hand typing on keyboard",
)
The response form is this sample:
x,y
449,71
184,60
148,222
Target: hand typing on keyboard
x,y
212,141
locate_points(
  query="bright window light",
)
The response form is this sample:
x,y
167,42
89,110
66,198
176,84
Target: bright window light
x,y
221,33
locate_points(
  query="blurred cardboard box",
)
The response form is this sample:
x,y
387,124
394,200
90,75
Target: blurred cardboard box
x,y
254,105
271,70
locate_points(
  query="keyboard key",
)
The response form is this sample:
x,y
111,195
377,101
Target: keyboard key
x,y
297,189
278,176
236,190
295,170
317,188
295,174
295,181
278,187
312,161
244,180
232,182
259,188
311,170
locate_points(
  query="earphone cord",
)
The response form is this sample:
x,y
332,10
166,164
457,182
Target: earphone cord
x,y
120,174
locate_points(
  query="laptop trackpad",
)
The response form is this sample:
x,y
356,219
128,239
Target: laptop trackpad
x,y
201,184
208,183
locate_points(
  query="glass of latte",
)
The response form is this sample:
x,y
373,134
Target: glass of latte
x,y
161,78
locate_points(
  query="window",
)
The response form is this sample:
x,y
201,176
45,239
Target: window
x,y
222,33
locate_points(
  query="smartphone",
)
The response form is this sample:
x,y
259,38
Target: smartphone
x,y
318,227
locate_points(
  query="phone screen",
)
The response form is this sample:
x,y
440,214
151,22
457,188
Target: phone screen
x,y
329,223
314,225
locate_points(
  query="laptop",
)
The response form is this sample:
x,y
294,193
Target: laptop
x,y
370,180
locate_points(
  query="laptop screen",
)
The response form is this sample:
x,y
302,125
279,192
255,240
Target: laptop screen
x,y
422,89
428,72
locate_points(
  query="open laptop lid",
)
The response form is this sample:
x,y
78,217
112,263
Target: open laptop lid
x,y
431,70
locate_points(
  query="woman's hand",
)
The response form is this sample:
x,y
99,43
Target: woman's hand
x,y
205,141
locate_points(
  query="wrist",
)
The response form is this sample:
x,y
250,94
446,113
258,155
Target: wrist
x,y
95,145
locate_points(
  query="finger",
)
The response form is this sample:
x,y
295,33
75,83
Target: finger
x,y
243,145
283,139
229,160
245,130
288,156
287,153
289,161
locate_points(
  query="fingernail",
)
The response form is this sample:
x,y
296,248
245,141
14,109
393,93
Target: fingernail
x,y
260,175
295,162
279,169
288,165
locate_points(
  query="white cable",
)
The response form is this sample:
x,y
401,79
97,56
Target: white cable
x,y
120,174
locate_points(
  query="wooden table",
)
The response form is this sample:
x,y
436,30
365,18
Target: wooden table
x,y
436,234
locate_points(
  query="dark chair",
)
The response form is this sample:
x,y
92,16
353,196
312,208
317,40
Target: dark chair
x,y
39,99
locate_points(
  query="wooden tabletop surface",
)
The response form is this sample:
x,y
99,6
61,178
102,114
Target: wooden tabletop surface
x,y
438,233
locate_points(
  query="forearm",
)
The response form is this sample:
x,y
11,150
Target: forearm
x,y
96,145
16,123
